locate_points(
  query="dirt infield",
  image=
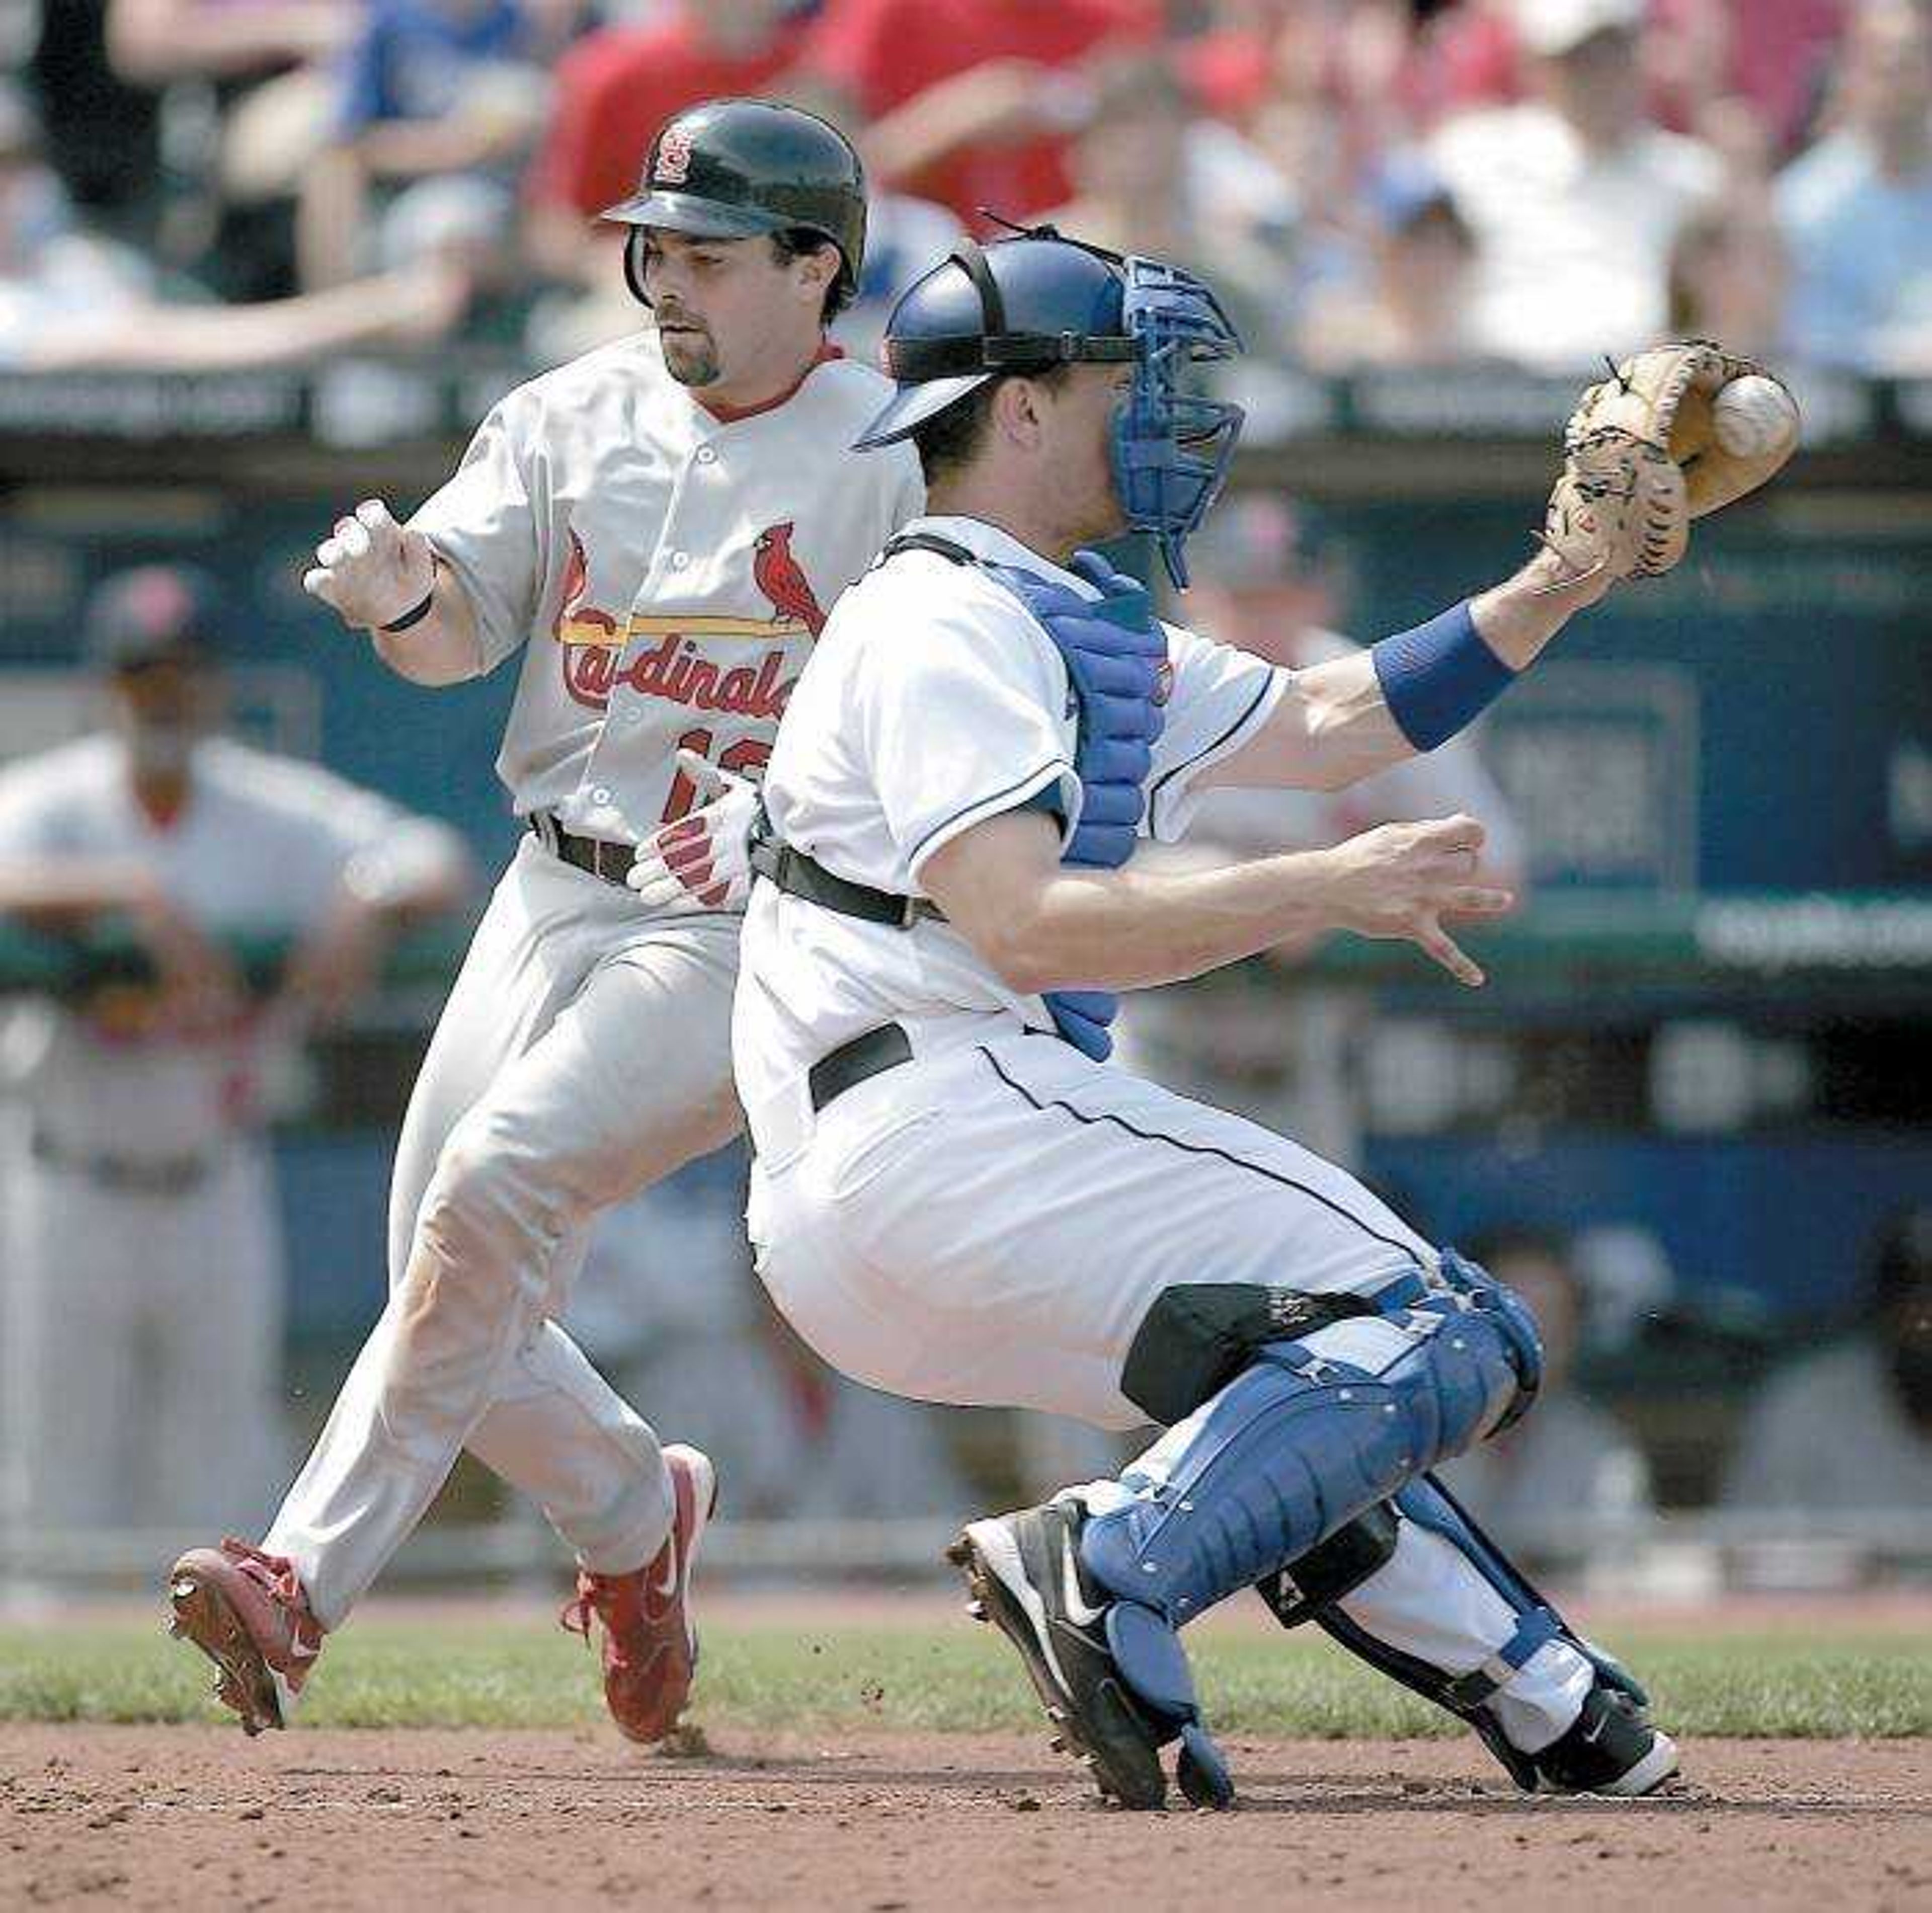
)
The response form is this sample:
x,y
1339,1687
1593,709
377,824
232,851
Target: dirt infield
x,y
436,1820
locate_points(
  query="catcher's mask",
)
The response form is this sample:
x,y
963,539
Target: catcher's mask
x,y
1038,300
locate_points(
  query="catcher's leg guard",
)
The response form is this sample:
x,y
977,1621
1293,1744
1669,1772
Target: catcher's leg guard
x,y
1311,1434
1308,1438
1464,1668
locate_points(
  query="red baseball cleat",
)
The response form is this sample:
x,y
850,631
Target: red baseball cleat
x,y
247,1612
650,1643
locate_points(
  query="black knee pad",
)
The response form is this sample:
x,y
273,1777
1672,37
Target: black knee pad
x,y
1308,1587
1198,1337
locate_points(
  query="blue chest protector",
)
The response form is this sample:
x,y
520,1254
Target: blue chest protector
x,y
1116,656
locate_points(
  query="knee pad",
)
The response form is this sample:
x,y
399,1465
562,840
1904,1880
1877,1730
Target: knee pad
x,y
1332,1568
1305,1440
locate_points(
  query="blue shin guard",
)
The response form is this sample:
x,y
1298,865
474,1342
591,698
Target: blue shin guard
x,y
1153,1664
1300,1442
1296,1445
1429,1504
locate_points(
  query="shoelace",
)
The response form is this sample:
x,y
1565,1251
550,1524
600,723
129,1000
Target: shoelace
x,y
594,1596
600,1595
275,1574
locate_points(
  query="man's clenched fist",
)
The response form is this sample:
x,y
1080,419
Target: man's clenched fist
x,y
371,570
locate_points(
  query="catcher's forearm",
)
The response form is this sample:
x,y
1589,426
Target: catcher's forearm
x,y
1519,617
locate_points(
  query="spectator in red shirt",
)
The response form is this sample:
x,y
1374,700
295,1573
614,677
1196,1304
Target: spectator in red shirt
x,y
1402,65
615,87
989,90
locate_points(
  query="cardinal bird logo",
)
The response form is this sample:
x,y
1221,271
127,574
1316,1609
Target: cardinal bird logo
x,y
777,573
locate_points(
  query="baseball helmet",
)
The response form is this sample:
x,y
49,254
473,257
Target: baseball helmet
x,y
734,168
154,614
1026,304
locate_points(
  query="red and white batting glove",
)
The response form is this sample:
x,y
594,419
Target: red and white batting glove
x,y
704,861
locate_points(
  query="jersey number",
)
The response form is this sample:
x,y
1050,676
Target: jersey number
x,y
748,755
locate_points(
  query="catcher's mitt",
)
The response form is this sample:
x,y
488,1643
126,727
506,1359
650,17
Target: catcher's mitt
x,y
1643,460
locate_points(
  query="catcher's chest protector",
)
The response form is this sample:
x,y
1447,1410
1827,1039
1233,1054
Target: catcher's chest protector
x,y
1116,664
1116,655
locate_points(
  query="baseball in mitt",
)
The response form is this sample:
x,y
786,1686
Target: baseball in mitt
x,y
1674,433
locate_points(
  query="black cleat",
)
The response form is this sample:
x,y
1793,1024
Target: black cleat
x,y
1025,1570
1611,1748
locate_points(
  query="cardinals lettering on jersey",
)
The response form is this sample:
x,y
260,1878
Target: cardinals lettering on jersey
x,y
591,642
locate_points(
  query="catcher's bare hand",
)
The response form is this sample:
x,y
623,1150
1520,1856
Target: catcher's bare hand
x,y
704,861
371,570
1400,880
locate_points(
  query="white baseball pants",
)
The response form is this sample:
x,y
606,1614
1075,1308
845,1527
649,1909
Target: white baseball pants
x,y
989,1224
582,1056
140,1348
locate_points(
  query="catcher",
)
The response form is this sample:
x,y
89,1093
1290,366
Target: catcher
x,y
951,1204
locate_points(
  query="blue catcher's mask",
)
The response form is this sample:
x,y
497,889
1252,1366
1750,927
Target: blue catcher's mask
x,y
1172,447
1028,303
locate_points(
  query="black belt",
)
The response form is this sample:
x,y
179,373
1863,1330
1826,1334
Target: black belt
x,y
799,874
165,1175
611,862
854,1062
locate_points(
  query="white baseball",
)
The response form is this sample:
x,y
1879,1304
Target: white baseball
x,y
1753,416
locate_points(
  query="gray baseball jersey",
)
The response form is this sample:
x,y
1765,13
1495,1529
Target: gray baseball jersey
x,y
668,570
665,570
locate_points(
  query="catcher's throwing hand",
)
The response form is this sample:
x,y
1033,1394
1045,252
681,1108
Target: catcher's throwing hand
x,y
1646,453
704,861
371,570
1400,880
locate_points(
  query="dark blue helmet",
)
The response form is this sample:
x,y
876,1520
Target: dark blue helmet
x,y
1037,300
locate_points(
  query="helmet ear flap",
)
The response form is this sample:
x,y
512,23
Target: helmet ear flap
x,y
634,265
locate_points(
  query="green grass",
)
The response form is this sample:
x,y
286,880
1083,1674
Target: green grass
x,y
950,1677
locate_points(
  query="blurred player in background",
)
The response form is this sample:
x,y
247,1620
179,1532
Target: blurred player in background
x,y
659,527
1851,1427
1570,1464
141,1305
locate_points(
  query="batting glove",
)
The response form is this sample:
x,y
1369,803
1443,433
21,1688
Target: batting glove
x,y
704,861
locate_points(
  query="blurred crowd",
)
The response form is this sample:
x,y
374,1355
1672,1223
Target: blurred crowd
x,y
1374,183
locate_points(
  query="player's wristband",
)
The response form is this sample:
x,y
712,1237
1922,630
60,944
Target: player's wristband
x,y
415,615
1439,677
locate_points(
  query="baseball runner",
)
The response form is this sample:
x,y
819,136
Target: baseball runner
x,y
954,1199
140,1252
660,525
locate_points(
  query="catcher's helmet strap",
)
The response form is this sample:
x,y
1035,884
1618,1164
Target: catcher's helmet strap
x,y
915,361
970,257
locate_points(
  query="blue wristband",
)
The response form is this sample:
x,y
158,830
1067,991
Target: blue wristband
x,y
1439,677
